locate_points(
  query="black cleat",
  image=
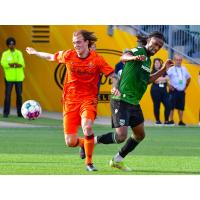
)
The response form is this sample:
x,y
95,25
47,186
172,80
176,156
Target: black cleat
x,y
82,152
91,167
181,123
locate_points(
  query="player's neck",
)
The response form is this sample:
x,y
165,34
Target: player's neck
x,y
84,54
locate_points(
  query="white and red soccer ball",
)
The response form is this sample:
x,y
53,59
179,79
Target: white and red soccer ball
x,y
31,109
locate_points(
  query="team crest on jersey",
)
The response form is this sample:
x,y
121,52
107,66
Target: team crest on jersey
x,y
121,122
116,111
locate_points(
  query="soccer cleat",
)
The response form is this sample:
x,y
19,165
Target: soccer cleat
x,y
91,167
120,165
82,152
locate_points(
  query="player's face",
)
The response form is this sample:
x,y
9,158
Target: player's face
x,y
154,44
80,45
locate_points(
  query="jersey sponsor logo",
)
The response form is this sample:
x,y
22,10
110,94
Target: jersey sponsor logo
x,y
121,122
83,70
146,68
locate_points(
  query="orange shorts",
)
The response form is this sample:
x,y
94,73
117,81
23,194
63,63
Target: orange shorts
x,y
73,113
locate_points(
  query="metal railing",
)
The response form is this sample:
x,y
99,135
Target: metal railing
x,y
181,39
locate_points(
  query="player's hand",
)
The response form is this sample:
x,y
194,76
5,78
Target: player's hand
x,y
140,58
169,63
115,92
30,50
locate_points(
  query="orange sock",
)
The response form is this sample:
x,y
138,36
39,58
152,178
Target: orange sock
x,y
89,147
80,142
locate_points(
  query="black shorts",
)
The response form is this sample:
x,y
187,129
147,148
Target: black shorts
x,y
125,114
177,100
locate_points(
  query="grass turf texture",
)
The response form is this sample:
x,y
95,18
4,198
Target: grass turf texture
x,y
42,151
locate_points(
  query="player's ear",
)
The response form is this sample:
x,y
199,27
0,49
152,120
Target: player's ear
x,y
87,41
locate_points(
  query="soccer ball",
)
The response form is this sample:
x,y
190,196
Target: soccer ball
x,y
31,109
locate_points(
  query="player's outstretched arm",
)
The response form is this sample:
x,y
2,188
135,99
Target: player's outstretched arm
x,y
44,55
129,57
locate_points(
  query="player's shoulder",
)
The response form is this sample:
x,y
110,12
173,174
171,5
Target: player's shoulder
x,y
94,53
69,52
66,53
96,56
138,50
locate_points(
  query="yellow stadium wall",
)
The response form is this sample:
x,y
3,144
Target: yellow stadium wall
x,y
40,81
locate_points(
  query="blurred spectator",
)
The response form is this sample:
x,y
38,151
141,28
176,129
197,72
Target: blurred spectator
x,y
159,93
13,65
179,79
120,65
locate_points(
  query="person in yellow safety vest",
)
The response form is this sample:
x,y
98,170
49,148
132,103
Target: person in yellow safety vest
x,y
13,65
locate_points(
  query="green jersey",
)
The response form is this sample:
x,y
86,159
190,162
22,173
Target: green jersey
x,y
134,78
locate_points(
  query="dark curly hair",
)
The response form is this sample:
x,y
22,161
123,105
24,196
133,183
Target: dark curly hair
x,y
142,39
9,40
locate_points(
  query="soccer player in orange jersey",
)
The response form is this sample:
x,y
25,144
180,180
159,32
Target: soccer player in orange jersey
x,y
80,90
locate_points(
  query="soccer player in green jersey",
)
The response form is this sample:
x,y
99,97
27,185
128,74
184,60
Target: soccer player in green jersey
x,y
125,99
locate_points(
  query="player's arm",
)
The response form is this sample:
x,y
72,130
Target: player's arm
x,y
130,57
169,63
115,84
44,55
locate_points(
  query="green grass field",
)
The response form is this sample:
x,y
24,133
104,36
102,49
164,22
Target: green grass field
x,y
42,151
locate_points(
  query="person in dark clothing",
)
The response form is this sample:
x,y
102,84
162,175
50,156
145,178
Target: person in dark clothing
x,y
120,65
159,93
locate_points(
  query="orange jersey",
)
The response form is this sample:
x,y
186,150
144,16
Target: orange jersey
x,y
82,76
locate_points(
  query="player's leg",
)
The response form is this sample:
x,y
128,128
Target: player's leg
x,y
88,143
88,115
137,125
120,120
71,122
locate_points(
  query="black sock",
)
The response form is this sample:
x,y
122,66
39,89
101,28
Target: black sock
x,y
108,138
128,147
